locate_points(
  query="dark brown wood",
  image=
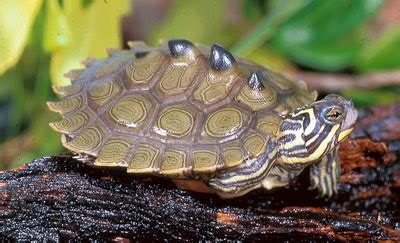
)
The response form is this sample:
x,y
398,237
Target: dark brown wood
x,y
59,198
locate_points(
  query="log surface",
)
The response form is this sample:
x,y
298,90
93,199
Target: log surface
x,y
58,198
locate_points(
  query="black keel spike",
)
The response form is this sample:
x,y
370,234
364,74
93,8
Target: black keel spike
x,y
220,58
180,47
254,82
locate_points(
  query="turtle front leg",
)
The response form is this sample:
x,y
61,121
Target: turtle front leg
x,y
246,177
325,174
280,176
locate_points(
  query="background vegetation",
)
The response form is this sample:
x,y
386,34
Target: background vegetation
x,y
42,39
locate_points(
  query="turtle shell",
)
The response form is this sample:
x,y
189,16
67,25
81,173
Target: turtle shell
x,y
175,109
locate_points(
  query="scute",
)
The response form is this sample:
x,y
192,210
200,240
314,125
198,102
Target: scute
x,y
296,101
277,79
67,105
102,92
254,144
143,68
114,153
176,110
175,122
112,65
178,78
89,141
174,162
269,123
67,90
71,124
132,111
206,159
225,122
145,159
214,87
258,100
233,156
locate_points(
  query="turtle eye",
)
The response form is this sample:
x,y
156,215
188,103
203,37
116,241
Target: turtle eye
x,y
333,114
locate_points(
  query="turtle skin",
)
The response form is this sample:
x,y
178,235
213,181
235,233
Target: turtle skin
x,y
176,110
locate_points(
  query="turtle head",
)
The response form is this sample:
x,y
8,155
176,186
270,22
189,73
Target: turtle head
x,y
310,132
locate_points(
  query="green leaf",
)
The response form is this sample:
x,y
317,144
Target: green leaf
x,y
16,18
57,33
253,9
381,53
329,56
92,29
279,13
199,21
323,34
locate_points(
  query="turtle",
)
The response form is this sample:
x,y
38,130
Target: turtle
x,y
202,117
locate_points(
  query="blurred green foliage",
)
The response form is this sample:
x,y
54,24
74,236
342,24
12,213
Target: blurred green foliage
x,y
16,18
52,37
380,54
35,51
324,35
201,21
78,30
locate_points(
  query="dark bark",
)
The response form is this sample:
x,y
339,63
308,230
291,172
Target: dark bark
x,y
60,198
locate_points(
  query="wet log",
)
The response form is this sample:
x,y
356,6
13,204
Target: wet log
x,y
58,198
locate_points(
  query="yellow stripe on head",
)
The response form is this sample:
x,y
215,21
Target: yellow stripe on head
x,y
313,122
316,154
324,144
311,140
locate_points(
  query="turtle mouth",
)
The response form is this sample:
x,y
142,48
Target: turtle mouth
x,y
344,134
